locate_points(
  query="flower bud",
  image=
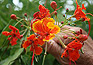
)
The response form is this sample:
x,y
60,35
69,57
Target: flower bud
x,y
13,16
62,22
21,25
55,12
53,5
68,23
75,24
25,14
80,31
67,9
21,36
83,19
64,15
65,37
82,37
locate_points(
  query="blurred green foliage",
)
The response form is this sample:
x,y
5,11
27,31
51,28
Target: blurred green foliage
x,y
12,54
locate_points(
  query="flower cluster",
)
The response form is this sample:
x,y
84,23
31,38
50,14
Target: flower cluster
x,y
44,29
15,35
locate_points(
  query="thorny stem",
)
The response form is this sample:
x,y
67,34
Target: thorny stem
x,y
45,53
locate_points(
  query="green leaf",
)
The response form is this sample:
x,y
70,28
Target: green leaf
x,y
12,58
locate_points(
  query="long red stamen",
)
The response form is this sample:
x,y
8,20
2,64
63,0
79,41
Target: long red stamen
x,y
69,62
32,58
89,27
89,14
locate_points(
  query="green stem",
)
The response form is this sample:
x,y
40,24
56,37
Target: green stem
x,y
18,22
21,23
44,53
70,17
63,45
24,32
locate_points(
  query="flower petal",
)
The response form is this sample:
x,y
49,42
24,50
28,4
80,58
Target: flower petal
x,y
37,26
6,33
50,25
14,29
55,30
26,44
49,37
13,41
31,37
75,45
40,42
38,50
73,55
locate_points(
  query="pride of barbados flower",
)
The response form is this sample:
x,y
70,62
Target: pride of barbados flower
x,y
79,13
46,28
72,50
42,13
15,35
35,44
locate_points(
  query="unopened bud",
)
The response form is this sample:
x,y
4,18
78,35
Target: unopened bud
x,y
65,37
25,14
21,25
55,12
13,16
68,23
21,36
83,19
82,37
64,15
75,24
53,5
67,9
80,31
62,22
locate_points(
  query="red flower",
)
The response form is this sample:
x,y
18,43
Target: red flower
x,y
72,50
35,44
46,28
14,35
42,13
79,13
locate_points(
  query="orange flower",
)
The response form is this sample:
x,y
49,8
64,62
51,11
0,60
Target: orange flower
x,y
35,44
42,13
46,28
72,50
79,13
14,35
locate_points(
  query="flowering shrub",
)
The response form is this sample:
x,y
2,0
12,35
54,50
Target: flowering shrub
x,y
44,28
